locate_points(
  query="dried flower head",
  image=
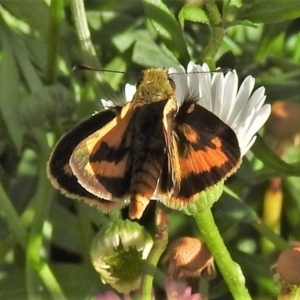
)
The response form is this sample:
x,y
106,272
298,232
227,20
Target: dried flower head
x,y
288,266
189,257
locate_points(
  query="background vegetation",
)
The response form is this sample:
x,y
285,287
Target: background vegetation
x,y
44,237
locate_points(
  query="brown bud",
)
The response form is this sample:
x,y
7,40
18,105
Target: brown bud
x,y
288,266
189,257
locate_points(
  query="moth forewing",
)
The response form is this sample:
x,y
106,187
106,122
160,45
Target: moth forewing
x,y
169,113
207,152
99,161
58,168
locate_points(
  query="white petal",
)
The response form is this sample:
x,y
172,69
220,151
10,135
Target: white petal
x,y
193,81
242,97
217,92
107,104
253,104
246,147
205,99
261,97
146,250
258,120
179,77
230,91
130,90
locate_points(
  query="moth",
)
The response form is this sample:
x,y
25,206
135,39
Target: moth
x,y
154,147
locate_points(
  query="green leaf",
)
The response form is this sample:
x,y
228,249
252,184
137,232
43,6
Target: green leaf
x,y
270,159
168,29
230,13
145,49
16,46
81,276
114,79
69,239
270,33
9,93
34,13
229,211
192,13
270,11
243,23
9,291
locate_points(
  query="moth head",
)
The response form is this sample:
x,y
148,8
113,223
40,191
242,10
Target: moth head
x,y
155,85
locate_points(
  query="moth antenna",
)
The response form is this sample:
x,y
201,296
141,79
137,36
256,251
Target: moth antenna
x,y
89,68
219,70
223,70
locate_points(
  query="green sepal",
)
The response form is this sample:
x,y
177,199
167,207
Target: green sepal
x,y
205,199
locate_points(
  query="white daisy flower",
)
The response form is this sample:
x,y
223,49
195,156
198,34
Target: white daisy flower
x,y
239,108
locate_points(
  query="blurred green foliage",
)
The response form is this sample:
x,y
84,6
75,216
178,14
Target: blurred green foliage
x,y
45,237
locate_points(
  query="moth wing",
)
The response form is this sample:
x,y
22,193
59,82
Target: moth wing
x,y
58,168
173,165
206,151
101,162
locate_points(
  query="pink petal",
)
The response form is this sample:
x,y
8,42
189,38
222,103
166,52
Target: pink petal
x,y
108,296
179,290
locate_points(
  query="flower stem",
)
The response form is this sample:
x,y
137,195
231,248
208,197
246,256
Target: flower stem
x,y
56,14
230,270
37,269
84,35
217,34
90,56
295,293
158,248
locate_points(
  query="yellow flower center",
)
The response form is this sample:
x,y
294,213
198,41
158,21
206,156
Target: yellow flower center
x,y
125,265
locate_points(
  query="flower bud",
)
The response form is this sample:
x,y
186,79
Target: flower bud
x,y
288,266
118,254
46,105
189,257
